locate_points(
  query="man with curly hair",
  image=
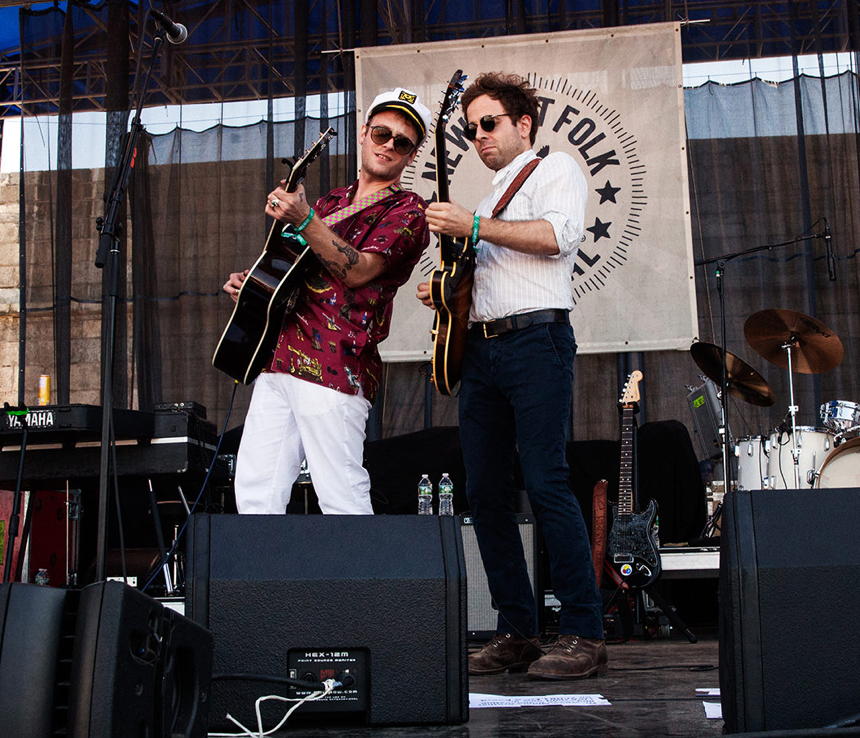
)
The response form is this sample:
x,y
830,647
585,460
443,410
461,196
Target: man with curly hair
x,y
517,381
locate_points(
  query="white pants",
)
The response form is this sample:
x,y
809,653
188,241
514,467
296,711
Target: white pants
x,y
289,420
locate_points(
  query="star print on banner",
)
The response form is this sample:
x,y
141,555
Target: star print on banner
x,y
599,229
607,193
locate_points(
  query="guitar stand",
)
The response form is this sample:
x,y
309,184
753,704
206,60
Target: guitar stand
x,y
619,598
670,612
712,526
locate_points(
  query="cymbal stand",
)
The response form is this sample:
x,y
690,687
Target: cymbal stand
x,y
792,411
720,261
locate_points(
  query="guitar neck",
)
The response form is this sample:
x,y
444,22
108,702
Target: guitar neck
x,y
625,482
300,168
442,192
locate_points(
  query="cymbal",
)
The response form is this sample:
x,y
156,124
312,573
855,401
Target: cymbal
x,y
743,381
815,348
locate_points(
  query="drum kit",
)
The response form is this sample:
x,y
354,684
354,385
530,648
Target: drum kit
x,y
791,456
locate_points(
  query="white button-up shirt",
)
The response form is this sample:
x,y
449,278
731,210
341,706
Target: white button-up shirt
x,y
508,282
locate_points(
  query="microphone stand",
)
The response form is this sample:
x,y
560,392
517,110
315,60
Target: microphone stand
x,y
110,229
721,261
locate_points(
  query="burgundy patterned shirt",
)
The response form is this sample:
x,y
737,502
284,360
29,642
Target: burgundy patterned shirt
x,y
331,336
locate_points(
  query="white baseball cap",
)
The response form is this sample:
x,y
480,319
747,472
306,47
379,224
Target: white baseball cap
x,y
405,102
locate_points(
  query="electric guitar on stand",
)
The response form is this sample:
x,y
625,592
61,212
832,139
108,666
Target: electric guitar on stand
x,y
451,283
632,551
269,291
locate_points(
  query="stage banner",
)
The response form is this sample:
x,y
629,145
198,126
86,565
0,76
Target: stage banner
x,y
613,99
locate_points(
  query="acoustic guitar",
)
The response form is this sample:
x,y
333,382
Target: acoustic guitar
x,y
269,291
632,551
451,283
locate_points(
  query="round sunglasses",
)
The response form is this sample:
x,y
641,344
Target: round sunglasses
x,y
488,123
382,134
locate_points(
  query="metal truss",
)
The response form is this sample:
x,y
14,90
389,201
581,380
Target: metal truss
x,y
248,49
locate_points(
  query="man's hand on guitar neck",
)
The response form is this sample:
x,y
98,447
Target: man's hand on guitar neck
x,y
288,207
450,218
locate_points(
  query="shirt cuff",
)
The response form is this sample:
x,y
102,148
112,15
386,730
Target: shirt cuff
x,y
566,236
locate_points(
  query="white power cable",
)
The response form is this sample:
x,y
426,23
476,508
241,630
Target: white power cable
x,y
330,685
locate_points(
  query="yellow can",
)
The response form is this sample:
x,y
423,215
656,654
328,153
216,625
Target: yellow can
x,y
45,389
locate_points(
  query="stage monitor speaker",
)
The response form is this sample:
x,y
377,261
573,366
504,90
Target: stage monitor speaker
x,y
381,598
789,642
482,616
36,636
139,669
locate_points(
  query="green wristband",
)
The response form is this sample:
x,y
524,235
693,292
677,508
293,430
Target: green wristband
x,y
304,224
476,225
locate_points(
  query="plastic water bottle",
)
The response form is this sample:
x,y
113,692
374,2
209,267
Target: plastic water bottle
x,y
425,496
446,495
42,578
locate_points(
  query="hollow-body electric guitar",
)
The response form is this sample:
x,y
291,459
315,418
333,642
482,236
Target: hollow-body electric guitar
x,y
451,283
632,550
269,291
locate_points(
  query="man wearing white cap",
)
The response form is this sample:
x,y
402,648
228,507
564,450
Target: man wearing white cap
x,y
313,399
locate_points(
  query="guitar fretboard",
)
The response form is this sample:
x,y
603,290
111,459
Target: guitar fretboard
x,y
625,482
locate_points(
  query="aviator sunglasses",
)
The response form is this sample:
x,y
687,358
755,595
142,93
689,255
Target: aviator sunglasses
x,y
381,134
488,123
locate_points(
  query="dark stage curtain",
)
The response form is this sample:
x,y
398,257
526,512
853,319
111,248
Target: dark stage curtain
x,y
766,162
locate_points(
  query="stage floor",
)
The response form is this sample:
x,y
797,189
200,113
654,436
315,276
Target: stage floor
x,y
651,687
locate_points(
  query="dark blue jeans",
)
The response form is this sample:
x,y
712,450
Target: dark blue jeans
x,y
516,394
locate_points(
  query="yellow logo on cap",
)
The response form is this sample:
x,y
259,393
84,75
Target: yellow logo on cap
x,y
407,96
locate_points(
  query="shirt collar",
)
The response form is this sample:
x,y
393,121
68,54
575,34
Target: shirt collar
x,y
511,170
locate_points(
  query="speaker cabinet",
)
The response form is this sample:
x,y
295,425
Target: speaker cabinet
x,y
139,669
36,637
291,595
789,643
481,615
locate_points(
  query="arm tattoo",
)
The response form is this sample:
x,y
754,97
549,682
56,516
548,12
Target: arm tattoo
x,y
332,266
348,251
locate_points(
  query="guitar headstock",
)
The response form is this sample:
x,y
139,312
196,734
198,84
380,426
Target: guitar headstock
x,y
452,97
630,394
297,174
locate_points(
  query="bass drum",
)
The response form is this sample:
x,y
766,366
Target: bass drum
x,y
814,445
752,462
842,468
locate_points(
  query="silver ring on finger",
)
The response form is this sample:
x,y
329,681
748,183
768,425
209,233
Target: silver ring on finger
x,y
274,202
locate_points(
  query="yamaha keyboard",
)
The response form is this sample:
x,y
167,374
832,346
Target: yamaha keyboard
x,y
64,443
62,423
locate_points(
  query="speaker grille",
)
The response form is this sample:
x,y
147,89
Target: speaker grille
x,y
480,615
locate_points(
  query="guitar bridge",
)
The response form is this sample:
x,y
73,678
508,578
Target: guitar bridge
x,y
623,558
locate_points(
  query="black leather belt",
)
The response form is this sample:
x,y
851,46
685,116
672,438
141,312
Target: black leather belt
x,y
493,328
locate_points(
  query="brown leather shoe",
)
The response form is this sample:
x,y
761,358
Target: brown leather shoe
x,y
572,657
505,652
